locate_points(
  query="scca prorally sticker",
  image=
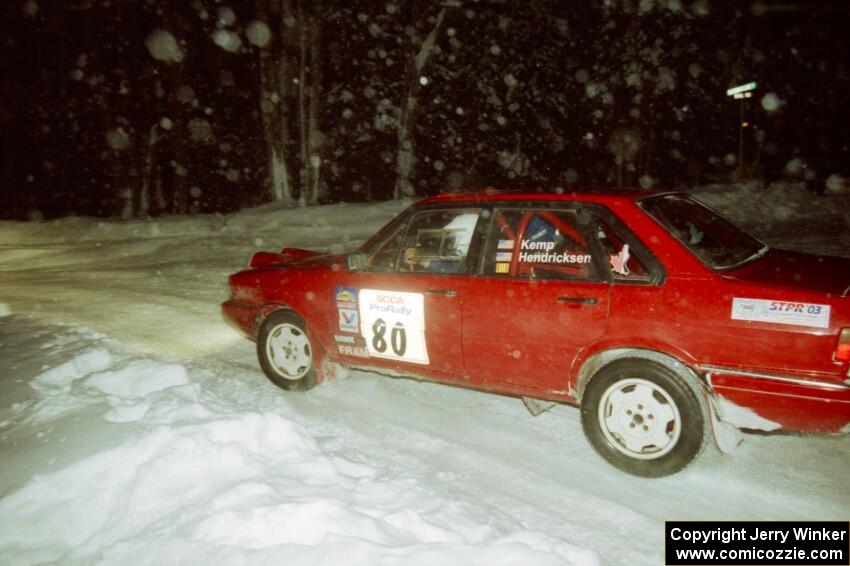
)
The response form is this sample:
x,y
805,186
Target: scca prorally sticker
x,y
348,321
781,312
393,324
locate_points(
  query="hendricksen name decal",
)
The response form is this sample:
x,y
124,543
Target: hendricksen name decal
x,y
542,252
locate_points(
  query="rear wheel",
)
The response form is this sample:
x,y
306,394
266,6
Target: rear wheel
x,y
286,351
643,418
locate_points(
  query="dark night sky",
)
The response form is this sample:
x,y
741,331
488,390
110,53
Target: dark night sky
x,y
95,121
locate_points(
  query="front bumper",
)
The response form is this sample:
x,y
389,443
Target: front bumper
x,y
241,316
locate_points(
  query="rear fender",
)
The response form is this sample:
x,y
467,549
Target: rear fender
x,y
592,364
725,436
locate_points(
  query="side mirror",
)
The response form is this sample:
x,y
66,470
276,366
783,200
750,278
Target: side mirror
x,y
355,261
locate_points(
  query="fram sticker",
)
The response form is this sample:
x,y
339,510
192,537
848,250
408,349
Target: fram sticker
x,y
346,297
504,256
781,312
356,351
506,244
348,321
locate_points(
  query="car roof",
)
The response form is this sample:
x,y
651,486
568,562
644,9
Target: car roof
x,y
588,194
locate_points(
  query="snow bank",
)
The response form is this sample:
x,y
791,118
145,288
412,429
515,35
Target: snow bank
x,y
273,220
780,208
207,482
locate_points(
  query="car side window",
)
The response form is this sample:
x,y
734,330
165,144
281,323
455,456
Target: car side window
x,y
433,241
438,241
624,262
385,255
538,244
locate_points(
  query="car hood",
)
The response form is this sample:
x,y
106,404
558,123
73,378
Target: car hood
x,y
795,270
292,257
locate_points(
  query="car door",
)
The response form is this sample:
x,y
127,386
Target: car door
x,y
404,312
541,295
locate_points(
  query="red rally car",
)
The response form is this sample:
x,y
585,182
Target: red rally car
x,y
665,323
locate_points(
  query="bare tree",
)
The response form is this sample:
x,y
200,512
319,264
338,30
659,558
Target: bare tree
x,y
274,86
418,52
309,99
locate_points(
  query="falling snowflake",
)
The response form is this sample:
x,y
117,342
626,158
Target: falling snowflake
x,y
258,33
226,16
30,8
227,40
771,102
118,139
163,46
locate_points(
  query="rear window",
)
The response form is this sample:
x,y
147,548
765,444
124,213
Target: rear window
x,y
714,240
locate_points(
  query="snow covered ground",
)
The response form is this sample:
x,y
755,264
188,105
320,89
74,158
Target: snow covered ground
x,y
136,427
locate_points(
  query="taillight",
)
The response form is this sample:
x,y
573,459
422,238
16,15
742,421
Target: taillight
x,y
842,351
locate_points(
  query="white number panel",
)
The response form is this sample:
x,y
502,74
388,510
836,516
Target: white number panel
x,y
393,324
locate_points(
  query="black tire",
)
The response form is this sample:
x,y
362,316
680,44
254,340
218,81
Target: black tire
x,y
286,352
643,418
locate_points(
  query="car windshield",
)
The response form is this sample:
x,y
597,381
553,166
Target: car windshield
x,y
713,239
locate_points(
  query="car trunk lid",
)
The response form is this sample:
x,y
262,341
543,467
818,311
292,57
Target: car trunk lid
x,y
799,271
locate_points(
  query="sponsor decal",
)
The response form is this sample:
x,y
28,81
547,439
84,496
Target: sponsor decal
x,y
503,267
346,297
781,312
348,321
620,260
350,340
356,351
393,325
506,245
532,245
504,256
542,252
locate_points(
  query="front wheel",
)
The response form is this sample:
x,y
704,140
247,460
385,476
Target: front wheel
x,y
643,418
286,352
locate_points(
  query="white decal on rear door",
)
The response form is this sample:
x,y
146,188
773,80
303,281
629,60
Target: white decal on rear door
x,y
781,312
393,324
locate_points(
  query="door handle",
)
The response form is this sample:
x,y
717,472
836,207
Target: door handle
x,y
578,300
446,292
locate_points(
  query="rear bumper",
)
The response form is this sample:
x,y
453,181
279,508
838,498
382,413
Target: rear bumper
x,y
785,402
241,316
